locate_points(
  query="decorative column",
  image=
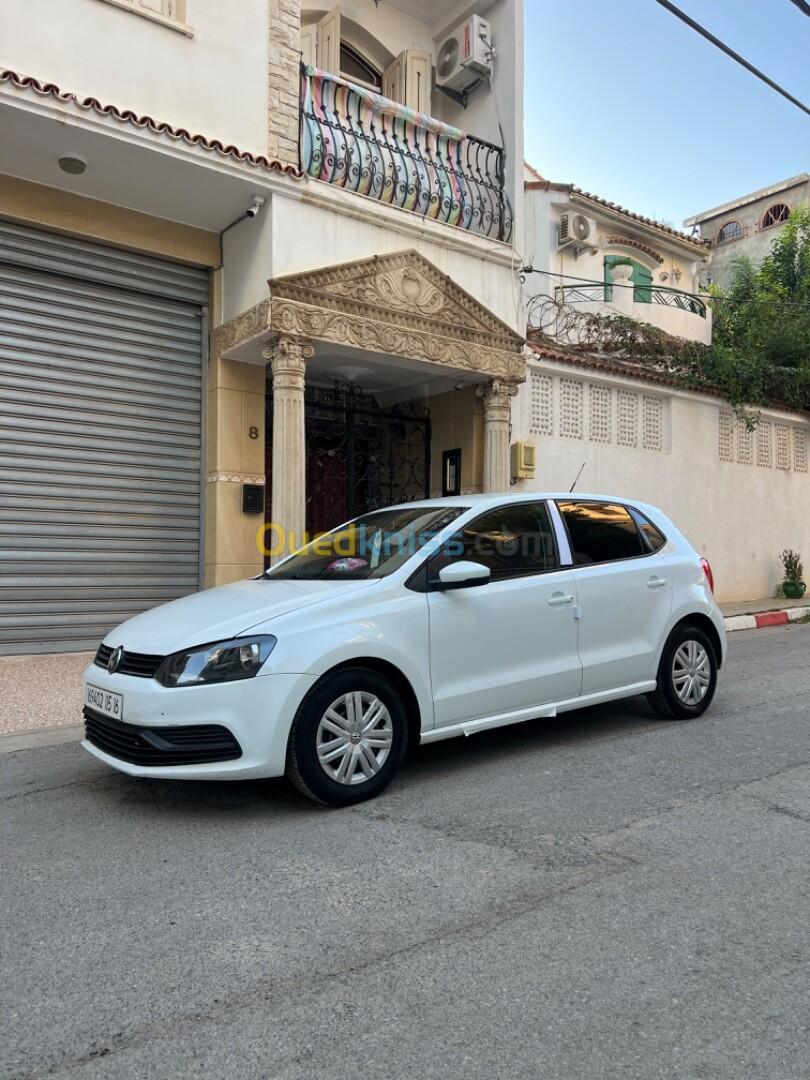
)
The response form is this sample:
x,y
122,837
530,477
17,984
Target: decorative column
x,y
497,401
288,357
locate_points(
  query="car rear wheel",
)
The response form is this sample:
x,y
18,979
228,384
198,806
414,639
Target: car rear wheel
x,y
687,675
348,738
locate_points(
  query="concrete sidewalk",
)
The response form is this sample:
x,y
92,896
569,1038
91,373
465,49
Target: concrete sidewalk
x,y
44,691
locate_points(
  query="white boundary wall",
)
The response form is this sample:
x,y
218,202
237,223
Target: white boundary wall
x,y
739,497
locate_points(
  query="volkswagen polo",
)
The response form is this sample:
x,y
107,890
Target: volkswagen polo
x,y
409,625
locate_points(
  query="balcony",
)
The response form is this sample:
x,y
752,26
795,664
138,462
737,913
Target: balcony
x,y
672,311
359,140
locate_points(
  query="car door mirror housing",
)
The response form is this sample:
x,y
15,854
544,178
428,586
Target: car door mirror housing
x,y
462,575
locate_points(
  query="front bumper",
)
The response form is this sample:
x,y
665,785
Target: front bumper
x,y
258,713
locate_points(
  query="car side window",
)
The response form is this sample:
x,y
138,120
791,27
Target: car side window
x,y
512,541
601,532
654,537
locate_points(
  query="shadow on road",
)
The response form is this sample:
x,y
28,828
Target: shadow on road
x,y
453,758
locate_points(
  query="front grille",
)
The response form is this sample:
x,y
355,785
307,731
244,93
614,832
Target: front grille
x,y
141,665
197,744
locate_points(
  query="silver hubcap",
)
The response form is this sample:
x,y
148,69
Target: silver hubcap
x,y
354,737
691,672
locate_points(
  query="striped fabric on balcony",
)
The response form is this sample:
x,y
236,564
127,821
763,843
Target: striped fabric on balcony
x,y
359,140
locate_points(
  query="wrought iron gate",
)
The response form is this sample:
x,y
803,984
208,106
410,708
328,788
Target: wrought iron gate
x,y
360,456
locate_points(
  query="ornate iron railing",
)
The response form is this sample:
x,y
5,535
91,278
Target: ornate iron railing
x,y
581,294
361,141
590,294
674,298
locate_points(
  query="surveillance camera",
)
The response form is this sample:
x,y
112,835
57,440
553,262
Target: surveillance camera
x,y
255,207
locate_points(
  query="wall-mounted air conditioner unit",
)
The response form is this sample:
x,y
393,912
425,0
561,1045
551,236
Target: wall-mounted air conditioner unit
x,y
576,229
465,55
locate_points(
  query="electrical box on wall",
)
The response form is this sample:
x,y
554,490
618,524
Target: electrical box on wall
x,y
524,461
252,499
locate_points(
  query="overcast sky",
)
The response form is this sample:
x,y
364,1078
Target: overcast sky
x,y
626,101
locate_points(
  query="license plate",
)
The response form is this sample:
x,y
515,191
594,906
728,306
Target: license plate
x,y
104,701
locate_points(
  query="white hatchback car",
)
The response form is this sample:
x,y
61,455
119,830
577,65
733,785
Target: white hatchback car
x,y
410,624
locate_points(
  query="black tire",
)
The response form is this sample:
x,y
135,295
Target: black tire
x,y
304,768
664,699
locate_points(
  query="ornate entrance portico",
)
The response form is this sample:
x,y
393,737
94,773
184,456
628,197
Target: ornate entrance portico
x,y
391,308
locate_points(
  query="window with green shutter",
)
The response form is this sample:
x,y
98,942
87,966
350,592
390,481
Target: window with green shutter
x,y
641,278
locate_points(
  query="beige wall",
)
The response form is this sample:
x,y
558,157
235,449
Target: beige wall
x,y
213,82
740,516
52,208
457,422
322,226
235,456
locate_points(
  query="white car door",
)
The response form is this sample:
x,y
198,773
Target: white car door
x,y
624,593
511,643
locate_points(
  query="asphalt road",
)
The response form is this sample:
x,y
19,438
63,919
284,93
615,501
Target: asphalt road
x,y
599,896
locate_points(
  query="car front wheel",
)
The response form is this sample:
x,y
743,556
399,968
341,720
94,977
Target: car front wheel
x,y
348,738
687,675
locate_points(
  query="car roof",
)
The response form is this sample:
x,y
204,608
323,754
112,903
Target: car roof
x,y
499,498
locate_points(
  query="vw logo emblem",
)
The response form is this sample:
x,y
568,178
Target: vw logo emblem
x,y
115,660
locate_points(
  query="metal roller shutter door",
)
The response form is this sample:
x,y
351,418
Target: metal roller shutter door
x,y
100,437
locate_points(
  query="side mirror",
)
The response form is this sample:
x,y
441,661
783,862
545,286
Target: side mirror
x,y
462,575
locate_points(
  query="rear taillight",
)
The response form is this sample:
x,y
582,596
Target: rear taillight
x,y
707,570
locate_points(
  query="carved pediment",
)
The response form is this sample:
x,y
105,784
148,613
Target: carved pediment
x,y
400,305
402,290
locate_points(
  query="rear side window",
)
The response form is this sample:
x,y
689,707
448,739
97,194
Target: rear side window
x,y
654,537
601,532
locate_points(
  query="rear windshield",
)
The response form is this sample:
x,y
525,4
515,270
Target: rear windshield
x,y
372,546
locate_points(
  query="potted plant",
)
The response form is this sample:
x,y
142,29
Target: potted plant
x,y
621,269
793,585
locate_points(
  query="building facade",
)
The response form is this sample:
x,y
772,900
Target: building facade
x,y
596,257
257,267
747,226
628,429
739,496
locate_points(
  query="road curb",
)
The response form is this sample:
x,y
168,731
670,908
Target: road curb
x,y
761,620
34,740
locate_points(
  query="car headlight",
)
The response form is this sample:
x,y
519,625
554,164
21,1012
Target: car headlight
x,y
224,661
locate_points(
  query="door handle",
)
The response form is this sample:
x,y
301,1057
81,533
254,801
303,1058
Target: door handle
x,y
558,599
656,583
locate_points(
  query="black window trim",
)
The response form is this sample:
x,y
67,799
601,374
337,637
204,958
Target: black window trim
x,y
419,582
638,517
631,510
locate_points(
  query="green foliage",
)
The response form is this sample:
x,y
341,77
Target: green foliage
x,y
760,353
761,341
792,564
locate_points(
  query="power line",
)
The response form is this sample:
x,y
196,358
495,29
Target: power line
x,y
803,6
665,288
735,55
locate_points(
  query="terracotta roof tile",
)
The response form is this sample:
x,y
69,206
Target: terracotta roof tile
x,y
541,348
157,127
548,185
640,217
608,365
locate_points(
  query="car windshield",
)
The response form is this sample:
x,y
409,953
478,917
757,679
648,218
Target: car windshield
x,y
371,546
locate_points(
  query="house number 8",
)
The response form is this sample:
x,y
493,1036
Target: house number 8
x,y
253,432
